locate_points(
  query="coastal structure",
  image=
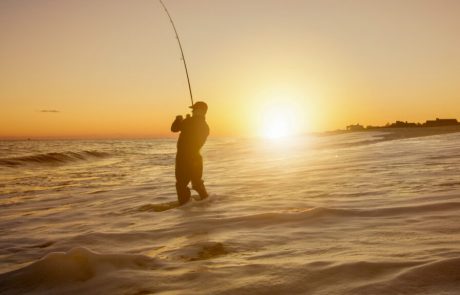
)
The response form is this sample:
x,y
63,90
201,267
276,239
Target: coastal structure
x,y
356,127
441,122
401,124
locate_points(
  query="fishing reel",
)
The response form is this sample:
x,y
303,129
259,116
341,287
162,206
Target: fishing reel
x,y
180,117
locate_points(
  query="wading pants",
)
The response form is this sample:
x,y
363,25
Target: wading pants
x,y
189,168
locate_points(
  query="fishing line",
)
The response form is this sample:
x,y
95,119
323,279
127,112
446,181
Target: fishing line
x,y
181,50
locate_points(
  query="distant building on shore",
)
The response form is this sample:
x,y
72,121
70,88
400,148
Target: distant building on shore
x,y
440,122
356,127
400,124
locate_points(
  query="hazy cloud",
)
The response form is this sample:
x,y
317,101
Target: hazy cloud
x,y
48,111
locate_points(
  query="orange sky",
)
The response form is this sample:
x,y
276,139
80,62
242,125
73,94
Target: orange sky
x,y
112,68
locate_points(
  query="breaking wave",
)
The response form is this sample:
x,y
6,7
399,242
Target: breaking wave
x,y
76,266
52,158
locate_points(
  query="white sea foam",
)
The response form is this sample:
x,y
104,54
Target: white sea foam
x,y
346,214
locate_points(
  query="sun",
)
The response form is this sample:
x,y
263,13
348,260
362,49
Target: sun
x,y
277,126
279,120
281,112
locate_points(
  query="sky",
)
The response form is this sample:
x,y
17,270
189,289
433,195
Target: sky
x,y
112,68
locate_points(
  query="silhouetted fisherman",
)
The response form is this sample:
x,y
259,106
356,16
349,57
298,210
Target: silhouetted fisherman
x,y
189,165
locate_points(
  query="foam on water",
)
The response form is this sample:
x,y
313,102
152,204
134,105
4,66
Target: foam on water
x,y
346,214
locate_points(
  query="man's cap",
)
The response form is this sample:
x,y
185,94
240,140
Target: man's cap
x,y
199,105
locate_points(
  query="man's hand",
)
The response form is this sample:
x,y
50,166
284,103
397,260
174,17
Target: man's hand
x,y
176,125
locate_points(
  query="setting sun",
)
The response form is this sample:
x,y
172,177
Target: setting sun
x,y
281,111
279,120
277,125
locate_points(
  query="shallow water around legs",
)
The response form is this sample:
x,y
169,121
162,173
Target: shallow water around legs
x,y
316,215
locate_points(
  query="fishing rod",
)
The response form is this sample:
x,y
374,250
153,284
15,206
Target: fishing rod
x,y
181,50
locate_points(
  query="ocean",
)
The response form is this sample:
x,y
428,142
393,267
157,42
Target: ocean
x,y
340,214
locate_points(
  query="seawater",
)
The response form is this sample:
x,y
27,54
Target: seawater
x,y
312,215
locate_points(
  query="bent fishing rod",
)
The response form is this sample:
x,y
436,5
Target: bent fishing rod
x,y
181,50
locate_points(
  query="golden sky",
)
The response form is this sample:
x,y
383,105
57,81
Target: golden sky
x,y
112,68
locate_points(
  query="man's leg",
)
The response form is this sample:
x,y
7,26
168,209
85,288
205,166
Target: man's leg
x,y
183,193
182,180
197,182
200,189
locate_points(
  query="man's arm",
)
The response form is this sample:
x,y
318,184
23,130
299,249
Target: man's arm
x,y
177,124
201,136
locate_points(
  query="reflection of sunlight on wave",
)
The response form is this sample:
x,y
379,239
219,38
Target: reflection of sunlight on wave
x,y
259,157
289,147
266,164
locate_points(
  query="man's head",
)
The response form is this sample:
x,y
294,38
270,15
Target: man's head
x,y
199,108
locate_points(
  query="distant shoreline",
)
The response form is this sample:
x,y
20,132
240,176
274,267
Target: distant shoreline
x,y
387,133
400,133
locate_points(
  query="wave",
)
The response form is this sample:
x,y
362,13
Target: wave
x,y
58,269
381,212
438,277
52,158
314,214
404,210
